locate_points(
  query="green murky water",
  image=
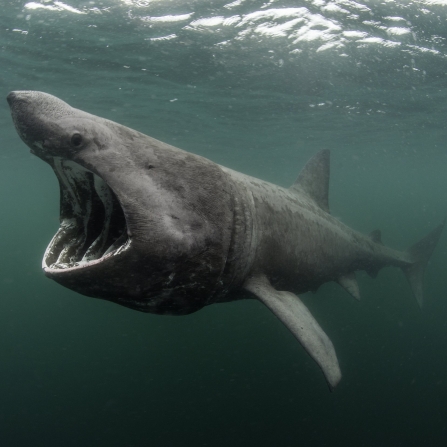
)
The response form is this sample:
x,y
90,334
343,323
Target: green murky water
x,y
259,86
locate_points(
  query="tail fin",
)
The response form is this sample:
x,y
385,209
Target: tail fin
x,y
421,253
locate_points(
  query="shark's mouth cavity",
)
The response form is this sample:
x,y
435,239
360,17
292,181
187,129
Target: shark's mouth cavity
x,y
92,222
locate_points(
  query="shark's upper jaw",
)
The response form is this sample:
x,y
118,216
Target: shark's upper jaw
x,y
92,223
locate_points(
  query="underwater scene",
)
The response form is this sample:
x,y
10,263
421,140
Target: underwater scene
x,y
267,90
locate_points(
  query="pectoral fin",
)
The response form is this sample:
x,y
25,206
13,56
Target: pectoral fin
x,y
295,315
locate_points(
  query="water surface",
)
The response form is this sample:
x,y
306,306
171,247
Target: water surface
x,y
259,86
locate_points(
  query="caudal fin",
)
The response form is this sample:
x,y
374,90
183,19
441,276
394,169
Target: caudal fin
x,y
421,253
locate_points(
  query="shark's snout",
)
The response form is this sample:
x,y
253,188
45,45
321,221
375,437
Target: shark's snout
x,y
37,103
34,115
11,97
17,102
17,98
20,113
21,105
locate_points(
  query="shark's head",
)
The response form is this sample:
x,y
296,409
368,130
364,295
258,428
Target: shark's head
x,y
142,223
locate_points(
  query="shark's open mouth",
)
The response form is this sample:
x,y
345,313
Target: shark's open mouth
x,y
92,222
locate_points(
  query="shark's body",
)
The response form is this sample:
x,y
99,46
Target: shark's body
x,y
160,230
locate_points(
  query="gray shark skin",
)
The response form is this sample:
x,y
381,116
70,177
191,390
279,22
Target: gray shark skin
x,y
161,230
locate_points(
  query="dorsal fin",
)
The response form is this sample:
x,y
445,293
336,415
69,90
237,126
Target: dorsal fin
x,y
314,179
376,236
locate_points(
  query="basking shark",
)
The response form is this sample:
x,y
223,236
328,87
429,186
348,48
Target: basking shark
x,y
161,230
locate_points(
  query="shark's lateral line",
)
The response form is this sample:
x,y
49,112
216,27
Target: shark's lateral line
x,y
160,230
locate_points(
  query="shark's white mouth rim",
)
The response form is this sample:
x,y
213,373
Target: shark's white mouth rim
x,y
73,247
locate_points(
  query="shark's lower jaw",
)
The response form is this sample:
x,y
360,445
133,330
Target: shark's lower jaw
x,y
92,223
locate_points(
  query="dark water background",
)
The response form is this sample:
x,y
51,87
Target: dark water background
x,y
259,87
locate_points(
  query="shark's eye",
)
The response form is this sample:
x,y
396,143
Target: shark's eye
x,y
76,139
